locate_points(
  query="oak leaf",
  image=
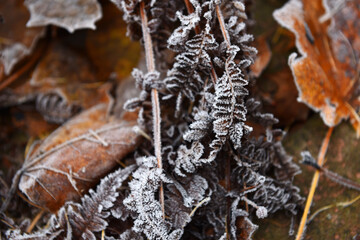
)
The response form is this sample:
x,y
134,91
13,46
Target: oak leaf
x,y
327,73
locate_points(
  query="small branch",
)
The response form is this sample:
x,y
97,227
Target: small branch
x,y
314,183
150,63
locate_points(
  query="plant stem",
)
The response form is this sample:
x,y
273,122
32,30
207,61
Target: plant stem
x,y
228,162
150,63
222,26
314,183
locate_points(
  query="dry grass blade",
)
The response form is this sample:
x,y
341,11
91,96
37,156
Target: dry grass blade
x,y
339,204
314,183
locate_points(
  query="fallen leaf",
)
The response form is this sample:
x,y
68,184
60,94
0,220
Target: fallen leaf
x,y
262,58
16,41
63,83
326,76
31,123
108,48
280,93
68,14
74,157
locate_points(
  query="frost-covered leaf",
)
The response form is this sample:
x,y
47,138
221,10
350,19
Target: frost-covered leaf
x,y
325,73
62,84
75,156
240,226
17,40
69,14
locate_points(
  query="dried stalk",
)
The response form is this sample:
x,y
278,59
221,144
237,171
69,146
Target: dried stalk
x,y
314,184
150,63
228,167
222,26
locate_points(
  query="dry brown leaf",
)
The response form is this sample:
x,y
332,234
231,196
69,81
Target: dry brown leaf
x,y
326,76
108,48
16,41
74,157
279,93
69,14
63,83
262,58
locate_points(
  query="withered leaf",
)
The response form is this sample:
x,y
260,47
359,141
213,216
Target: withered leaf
x,y
75,156
326,75
16,41
69,14
108,47
263,57
62,84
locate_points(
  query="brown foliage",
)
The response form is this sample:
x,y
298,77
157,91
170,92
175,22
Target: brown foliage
x,y
74,157
325,74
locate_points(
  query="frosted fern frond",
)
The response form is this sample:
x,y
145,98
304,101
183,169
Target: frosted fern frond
x,y
180,34
244,228
147,81
199,128
187,74
82,221
42,235
143,187
265,119
229,110
188,159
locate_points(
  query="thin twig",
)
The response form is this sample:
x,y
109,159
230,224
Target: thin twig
x,y
314,183
150,63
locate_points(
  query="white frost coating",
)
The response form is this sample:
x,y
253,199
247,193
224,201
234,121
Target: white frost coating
x,y
11,55
261,212
69,14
